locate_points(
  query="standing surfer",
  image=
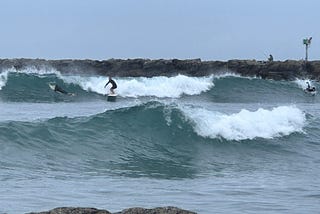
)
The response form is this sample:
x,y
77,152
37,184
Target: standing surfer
x,y
113,83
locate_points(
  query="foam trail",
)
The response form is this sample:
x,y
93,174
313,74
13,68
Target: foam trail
x,y
279,121
141,86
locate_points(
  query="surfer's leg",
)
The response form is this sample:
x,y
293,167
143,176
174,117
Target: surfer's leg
x,y
112,89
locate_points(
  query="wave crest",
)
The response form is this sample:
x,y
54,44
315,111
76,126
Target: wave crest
x,y
279,121
3,79
173,87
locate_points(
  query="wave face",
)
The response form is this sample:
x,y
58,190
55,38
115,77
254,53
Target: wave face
x,y
32,86
26,86
195,98
142,135
193,131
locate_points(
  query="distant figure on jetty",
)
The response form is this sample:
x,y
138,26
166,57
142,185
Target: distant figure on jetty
x,y
113,83
270,59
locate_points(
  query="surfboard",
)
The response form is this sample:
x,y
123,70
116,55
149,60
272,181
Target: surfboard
x,y
52,86
310,92
112,97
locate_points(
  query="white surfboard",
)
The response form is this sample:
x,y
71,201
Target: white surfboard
x,y
52,86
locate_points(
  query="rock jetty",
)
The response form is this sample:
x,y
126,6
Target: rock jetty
x,y
278,70
136,210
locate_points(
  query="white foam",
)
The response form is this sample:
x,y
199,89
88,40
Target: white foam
x,y
279,121
230,74
172,87
35,71
226,74
94,84
3,79
303,83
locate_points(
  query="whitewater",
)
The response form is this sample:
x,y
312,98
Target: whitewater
x,y
213,144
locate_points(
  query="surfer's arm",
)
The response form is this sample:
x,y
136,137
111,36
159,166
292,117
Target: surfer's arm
x,y
107,83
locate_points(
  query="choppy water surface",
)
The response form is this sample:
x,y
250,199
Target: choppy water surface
x,y
216,144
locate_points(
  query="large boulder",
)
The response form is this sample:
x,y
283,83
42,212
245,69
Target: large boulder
x,y
135,210
158,210
73,210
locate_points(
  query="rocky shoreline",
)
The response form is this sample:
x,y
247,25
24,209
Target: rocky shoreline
x,y
136,210
278,70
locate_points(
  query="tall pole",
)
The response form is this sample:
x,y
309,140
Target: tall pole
x,y
307,43
307,52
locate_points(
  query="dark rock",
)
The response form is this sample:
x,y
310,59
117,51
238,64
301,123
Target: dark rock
x,y
73,210
279,70
158,210
136,210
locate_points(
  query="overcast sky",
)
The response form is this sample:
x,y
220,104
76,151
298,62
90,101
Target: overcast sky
x,y
184,29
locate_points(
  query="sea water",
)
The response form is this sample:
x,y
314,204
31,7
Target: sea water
x,y
213,144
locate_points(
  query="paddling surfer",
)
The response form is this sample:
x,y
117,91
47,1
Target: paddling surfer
x,y
309,88
57,88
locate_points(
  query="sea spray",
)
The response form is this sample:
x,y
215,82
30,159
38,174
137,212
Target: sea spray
x,y
3,78
302,83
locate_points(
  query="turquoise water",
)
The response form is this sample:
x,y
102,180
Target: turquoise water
x,y
217,144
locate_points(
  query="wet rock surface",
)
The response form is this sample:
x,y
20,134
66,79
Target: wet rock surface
x,y
278,70
135,210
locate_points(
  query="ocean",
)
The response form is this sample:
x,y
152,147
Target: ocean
x,y
213,144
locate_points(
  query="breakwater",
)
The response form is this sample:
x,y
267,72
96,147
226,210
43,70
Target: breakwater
x,y
278,70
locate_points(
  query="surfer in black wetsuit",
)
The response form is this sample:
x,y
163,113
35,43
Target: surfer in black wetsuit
x,y
113,83
309,88
57,88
